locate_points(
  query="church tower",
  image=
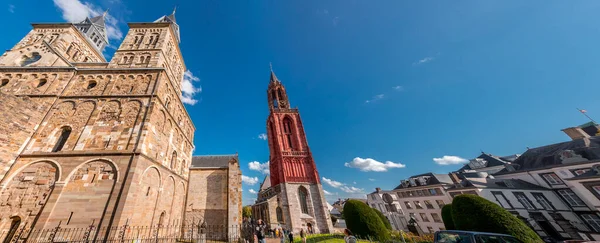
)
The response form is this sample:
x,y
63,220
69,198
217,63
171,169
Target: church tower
x,y
292,168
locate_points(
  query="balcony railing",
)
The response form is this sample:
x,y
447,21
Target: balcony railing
x,y
295,153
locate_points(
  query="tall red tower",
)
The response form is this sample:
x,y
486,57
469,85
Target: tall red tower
x,y
290,158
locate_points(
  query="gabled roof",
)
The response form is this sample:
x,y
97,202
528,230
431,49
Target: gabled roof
x,y
496,184
492,161
432,179
265,184
578,150
213,161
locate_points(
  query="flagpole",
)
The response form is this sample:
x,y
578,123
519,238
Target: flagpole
x,y
586,115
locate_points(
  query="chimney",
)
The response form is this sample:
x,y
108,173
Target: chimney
x,y
575,133
378,189
454,177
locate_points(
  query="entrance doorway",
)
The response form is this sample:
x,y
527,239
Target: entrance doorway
x,y
309,227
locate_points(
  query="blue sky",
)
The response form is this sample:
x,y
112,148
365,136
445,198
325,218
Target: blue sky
x,y
442,78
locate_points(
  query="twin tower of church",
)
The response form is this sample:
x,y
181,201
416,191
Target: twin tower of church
x,y
86,142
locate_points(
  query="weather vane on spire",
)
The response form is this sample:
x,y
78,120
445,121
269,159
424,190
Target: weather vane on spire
x,y
174,9
105,12
271,66
584,112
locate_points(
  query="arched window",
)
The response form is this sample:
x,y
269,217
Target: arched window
x,y
124,59
274,98
287,132
142,59
3,83
62,139
279,214
303,196
14,226
173,160
42,83
91,84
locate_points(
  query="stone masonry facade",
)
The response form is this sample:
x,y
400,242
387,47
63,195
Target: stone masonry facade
x,y
88,142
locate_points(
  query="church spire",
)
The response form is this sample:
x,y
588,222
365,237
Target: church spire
x,y
276,94
273,78
171,19
95,30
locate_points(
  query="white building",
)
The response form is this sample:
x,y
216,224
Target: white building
x,y
387,203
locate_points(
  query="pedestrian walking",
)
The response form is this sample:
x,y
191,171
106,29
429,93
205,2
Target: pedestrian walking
x,y
291,236
349,237
260,231
303,235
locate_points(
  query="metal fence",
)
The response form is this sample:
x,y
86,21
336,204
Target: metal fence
x,y
135,234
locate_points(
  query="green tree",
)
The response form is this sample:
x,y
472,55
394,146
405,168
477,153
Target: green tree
x,y
447,217
364,222
385,220
474,213
247,211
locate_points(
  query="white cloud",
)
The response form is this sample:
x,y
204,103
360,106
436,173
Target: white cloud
x,y
335,21
449,160
189,89
76,11
354,182
332,183
327,193
369,164
252,191
371,179
351,189
398,88
262,136
424,60
249,180
11,8
375,98
257,166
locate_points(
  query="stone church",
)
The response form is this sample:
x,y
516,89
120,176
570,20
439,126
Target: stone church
x,y
291,197
89,142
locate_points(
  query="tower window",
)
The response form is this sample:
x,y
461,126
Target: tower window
x,y
41,83
3,83
142,59
173,160
303,196
287,131
62,139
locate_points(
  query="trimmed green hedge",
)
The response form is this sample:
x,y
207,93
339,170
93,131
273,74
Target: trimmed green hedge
x,y
447,217
385,221
474,213
363,222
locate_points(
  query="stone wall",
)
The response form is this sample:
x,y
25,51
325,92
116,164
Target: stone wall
x,y
20,117
317,216
234,188
207,197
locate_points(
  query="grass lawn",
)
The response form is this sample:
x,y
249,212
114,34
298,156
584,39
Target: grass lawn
x,y
325,238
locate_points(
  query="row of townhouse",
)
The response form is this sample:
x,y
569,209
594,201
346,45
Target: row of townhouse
x,y
555,188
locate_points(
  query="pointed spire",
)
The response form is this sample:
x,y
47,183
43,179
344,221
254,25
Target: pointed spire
x,y
105,13
174,9
273,77
171,19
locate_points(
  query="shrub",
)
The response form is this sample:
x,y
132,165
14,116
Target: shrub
x,y
363,222
385,221
471,212
447,217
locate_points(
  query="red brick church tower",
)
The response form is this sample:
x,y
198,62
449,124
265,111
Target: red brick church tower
x,y
301,201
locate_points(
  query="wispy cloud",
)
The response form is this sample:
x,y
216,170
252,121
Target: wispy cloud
x,y
369,164
332,183
335,21
375,98
249,180
262,136
371,179
252,191
76,11
189,88
398,88
11,8
351,189
449,160
327,193
424,60
257,166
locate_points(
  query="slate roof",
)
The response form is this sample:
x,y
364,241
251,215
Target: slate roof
x,y
265,184
550,155
170,19
212,161
496,184
492,160
434,179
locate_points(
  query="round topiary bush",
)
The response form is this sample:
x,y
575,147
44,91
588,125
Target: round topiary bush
x,y
474,213
363,222
385,221
447,217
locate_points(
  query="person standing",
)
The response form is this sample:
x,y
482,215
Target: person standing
x,y
291,236
349,237
281,235
260,231
303,235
